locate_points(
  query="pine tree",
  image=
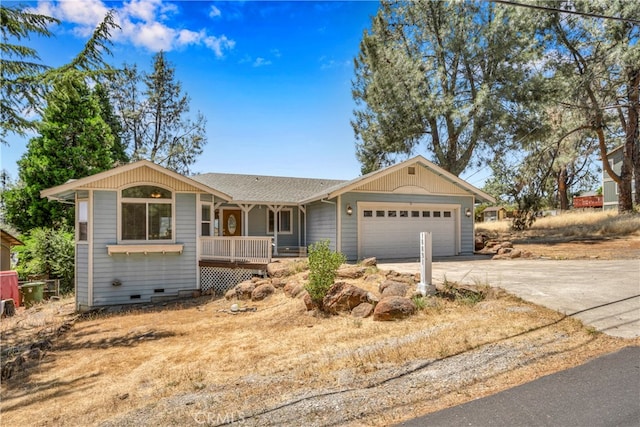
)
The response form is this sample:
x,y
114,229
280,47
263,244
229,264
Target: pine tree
x,y
153,110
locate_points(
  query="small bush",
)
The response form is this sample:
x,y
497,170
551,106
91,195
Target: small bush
x,y
323,266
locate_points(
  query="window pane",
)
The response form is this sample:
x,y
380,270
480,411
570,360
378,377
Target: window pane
x,y
404,214
146,192
159,221
83,219
285,221
206,212
415,214
82,231
134,218
426,214
206,229
391,214
380,214
367,214
270,222
436,214
447,214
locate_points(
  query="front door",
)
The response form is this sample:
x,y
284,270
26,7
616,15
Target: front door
x,y
232,222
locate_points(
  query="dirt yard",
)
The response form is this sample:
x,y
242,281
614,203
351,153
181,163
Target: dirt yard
x,y
195,363
604,248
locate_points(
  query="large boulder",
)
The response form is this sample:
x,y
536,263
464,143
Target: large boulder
x,y
278,269
394,308
244,290
391,288
351,272
308,302
262,291
343,297
362,310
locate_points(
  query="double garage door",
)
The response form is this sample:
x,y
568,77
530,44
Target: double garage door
x,y
393,230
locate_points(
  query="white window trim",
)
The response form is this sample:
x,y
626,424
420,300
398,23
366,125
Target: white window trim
x,y
290,210
171,201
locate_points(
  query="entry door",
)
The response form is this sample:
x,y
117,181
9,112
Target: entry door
x,y
232,222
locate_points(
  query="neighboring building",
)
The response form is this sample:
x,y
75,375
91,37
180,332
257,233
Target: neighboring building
x,y
494,213
8,241
609,186
144,232
588,201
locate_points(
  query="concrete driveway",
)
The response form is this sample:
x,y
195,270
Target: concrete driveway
x,y
604,294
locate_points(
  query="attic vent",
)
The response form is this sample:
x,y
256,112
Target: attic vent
x,y
411,170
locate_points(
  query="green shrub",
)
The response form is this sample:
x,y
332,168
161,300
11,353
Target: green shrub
x,y
323,266
50,253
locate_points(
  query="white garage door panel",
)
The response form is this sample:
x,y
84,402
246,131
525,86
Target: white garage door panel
x,y
399,237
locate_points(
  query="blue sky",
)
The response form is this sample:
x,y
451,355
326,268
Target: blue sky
x,y
273,79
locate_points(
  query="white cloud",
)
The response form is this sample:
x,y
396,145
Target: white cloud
x,y
214,12
144,23
261,62
219,44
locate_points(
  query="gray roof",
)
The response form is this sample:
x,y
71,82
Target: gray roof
x,y
266,189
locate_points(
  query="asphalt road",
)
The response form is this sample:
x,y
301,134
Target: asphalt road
x,y
604,392
604,294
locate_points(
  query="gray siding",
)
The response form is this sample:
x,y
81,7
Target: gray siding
x,y
350,223
141,274
321,223
82,275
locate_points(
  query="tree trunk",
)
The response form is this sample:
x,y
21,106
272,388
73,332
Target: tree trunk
x,y
630,149
562,189
632,133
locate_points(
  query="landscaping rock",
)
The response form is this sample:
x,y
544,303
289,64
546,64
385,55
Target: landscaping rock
x,y
244,290
308,302
351,272
292,289
343,297
394,308
278,282
261,292
372,298
394,289
278,269
369,262
230,294
362,310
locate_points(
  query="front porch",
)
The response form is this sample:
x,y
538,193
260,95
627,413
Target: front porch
x,y
226,261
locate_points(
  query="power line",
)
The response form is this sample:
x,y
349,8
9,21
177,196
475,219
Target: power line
x,y
572,12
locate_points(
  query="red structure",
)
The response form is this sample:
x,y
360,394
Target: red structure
x,y
581,202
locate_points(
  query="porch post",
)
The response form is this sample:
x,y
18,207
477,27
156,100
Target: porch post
x,y
302,210
276,209
245,211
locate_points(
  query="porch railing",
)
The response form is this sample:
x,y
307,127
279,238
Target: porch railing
x,y
237,249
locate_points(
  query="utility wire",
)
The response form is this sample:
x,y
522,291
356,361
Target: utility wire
x,y
572,12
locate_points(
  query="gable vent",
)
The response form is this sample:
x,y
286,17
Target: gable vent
x,y
411,170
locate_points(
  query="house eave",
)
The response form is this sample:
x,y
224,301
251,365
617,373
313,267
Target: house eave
x,y
66,191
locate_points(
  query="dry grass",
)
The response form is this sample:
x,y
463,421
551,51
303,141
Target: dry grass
x,y
106,366
596,224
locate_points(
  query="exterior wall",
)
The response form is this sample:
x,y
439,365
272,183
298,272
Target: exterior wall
x,y
5,256
321,223
141,274
349,230
258,225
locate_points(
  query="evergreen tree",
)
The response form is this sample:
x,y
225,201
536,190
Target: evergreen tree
x,y
73,142
24,81
447,77
153,110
